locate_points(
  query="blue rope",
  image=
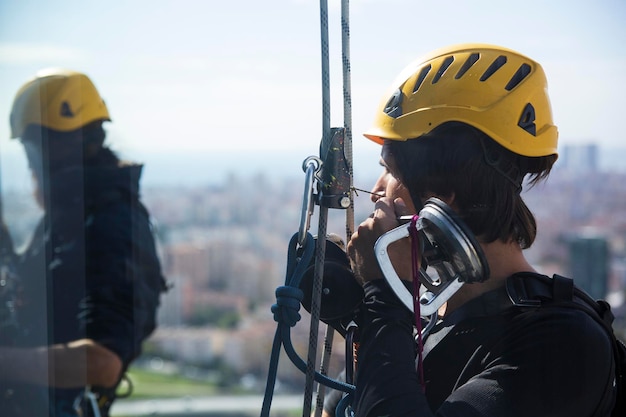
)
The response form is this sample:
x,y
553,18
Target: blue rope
x,y
345,404
287,305
301,365
286,314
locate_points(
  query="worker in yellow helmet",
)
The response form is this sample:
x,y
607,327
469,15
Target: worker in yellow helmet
x,y
461,129
90,276
58,102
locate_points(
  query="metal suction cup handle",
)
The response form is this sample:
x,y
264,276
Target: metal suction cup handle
x,y
382,255
428,307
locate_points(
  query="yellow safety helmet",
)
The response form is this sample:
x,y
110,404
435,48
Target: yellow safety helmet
x,y
497,90
58,99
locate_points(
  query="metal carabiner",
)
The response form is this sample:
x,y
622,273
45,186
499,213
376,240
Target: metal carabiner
x,y
87,402
311,166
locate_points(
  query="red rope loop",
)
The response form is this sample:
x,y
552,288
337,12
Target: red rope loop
x,y
415,263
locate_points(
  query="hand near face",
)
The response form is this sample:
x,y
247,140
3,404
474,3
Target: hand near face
x,y
360,248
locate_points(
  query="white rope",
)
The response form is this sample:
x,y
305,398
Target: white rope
x,y
322,222
347,108
321,388
347,117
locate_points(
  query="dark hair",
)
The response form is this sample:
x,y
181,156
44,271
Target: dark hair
x,y
485,178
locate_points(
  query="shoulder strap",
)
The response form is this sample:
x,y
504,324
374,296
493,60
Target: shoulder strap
x,y
534,290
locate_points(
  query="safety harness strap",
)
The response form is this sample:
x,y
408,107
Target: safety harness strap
x,y
531,290
534,290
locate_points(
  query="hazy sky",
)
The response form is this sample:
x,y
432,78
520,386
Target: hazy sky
x,y
206,75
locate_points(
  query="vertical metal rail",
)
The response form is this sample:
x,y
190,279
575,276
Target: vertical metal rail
x,y
320,248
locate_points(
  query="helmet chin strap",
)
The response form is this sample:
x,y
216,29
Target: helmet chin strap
x,y
449,249
494,160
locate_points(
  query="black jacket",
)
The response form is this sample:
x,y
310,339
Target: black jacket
x,y
91,269
483,360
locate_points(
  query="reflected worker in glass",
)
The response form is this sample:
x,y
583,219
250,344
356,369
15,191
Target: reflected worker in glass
x,y
90,278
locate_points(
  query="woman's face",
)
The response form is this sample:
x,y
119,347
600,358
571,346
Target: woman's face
x,y
34,155
388,183
35,163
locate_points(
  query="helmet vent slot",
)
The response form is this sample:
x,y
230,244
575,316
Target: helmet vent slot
x,y
393,107
420,79
522,72
495,66
446,63
471,60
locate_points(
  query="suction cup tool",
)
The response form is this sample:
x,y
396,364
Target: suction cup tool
x,y
449,247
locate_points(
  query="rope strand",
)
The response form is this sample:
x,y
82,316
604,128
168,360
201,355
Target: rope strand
x,y
288,298
347,108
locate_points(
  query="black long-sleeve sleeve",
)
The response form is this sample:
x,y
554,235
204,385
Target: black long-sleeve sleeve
x,y
386,378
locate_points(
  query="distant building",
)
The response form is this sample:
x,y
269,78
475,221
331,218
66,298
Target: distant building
x,y
588,262
196,345
170,311
579,158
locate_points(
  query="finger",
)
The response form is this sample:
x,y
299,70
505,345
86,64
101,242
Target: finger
x,y
400,208
384,207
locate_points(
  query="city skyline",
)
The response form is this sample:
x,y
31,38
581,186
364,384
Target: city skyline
x,y
206,168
